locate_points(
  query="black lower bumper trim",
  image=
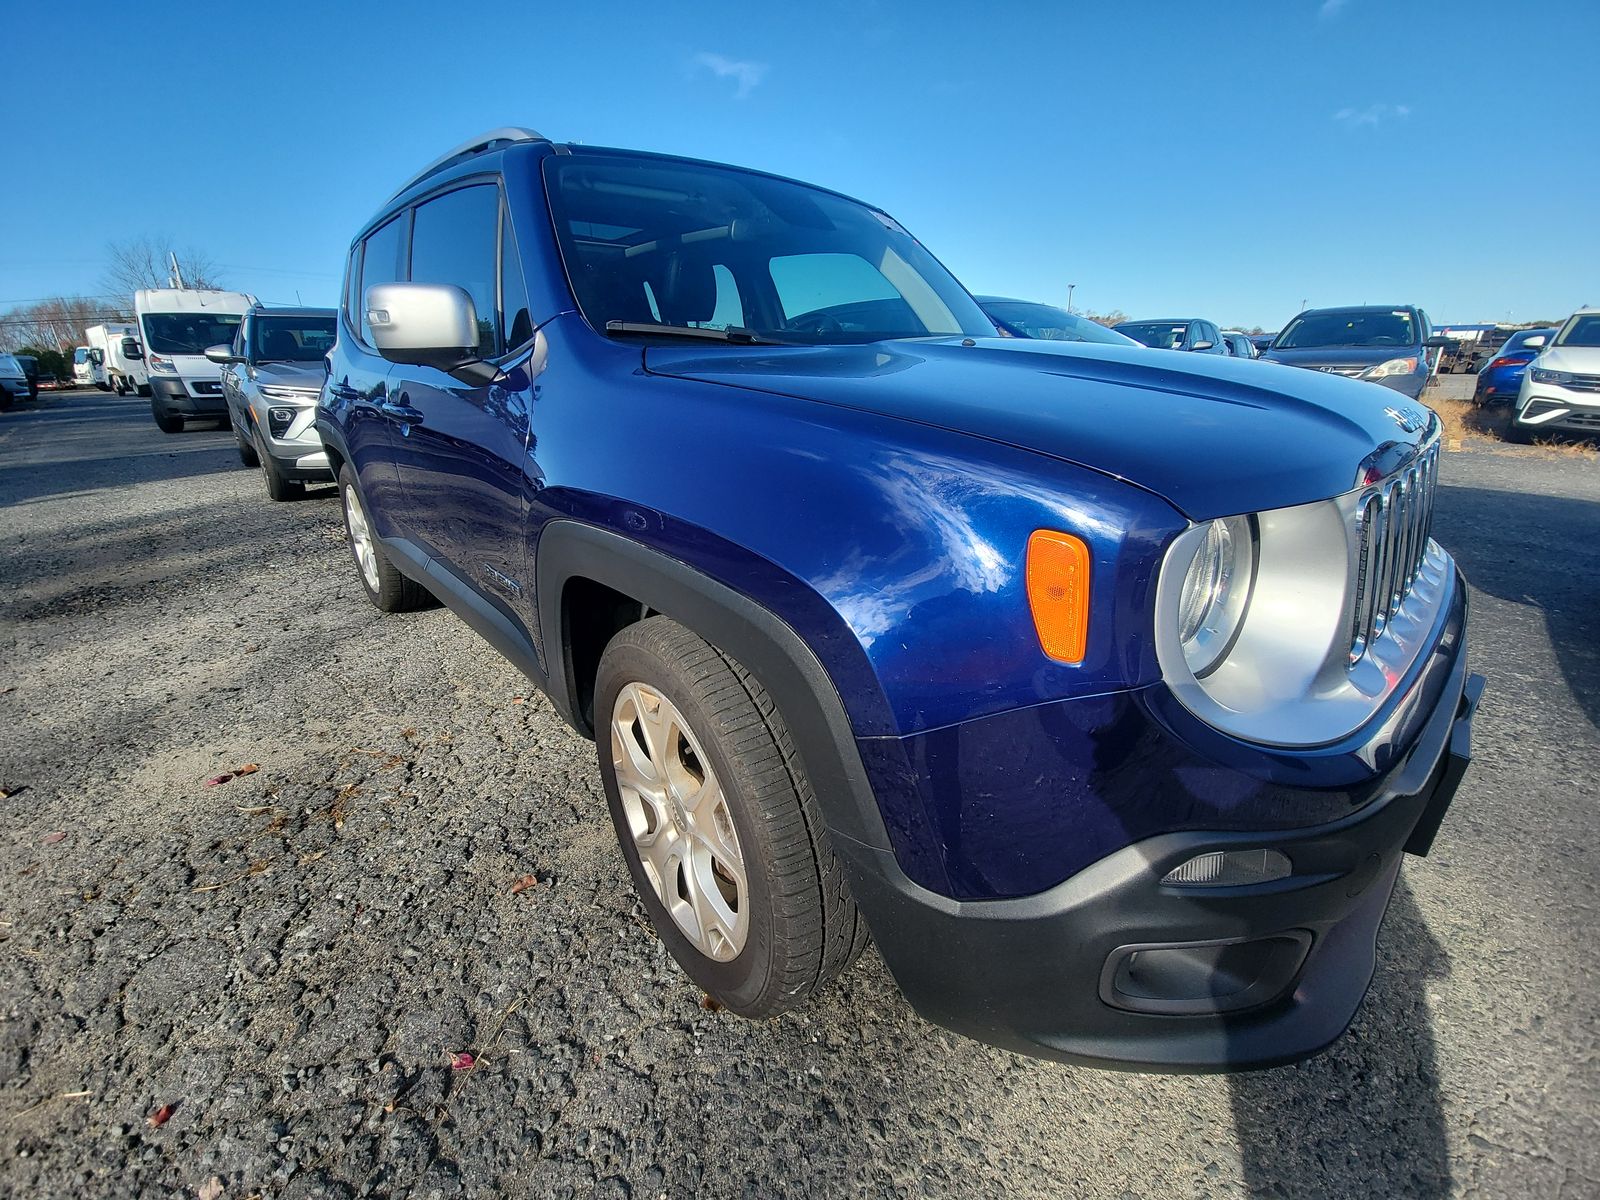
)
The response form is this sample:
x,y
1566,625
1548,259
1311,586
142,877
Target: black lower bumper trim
x,y
172,397
1028,974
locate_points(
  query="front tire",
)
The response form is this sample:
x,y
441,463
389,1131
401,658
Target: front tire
x,y
279,486
165,421
247,452
386,587
717,822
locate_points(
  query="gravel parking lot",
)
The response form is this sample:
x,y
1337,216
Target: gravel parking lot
x,y
285,963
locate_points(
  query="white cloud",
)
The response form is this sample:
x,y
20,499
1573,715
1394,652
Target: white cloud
x,y
746,74
1330,8
1372,114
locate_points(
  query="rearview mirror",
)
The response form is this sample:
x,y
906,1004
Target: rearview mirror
x,y
222,354
1535,342
427,325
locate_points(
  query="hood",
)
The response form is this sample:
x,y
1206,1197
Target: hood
x,y
291,375
1578,360
1215,436
1353,359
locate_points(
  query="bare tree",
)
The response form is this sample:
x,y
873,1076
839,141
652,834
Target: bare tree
x,y
58,322
146,262
1114,317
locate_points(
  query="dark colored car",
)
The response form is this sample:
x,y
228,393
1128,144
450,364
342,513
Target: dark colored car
x,y
1030,319
1261,341
1501,378
272,374
1380,343
1179,333
1106,689
30,368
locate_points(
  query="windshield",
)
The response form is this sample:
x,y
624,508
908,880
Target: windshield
x,y
1348,327
188,333
1582,329
9,366
1159,335
80,355
1049,323
706,247
290,339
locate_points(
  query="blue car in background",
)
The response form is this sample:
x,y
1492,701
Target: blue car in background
x,y
1107,689
1030,319
1380,343
1501,377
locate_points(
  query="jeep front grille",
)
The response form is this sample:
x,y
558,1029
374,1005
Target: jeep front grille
x,y
1396,520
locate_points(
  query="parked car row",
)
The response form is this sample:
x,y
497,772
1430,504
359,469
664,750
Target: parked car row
x,y
1112,732
1559,390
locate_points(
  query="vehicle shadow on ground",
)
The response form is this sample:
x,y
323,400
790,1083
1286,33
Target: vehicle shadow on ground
x,y
1502,541
1365,1118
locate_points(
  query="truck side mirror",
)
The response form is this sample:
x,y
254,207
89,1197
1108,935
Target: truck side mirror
x,y
428,325
131,350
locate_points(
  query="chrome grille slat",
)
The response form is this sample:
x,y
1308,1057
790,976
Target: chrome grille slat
x,y
1396,520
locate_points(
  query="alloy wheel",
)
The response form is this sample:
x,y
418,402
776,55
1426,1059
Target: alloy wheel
x,y
679,819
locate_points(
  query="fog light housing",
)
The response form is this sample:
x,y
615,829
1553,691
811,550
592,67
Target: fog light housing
x,y
1230,868
279,420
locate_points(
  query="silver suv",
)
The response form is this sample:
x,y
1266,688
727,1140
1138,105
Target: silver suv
x,y
271,376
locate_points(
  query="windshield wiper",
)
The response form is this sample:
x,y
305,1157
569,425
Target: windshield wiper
x,y
733,333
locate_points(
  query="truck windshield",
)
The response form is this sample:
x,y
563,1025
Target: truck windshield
x,y
651,241
290,339
188,333
1348,327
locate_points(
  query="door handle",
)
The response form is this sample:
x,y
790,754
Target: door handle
x,y
402,413
342,391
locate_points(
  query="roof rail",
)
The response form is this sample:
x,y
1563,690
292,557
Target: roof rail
x,y
495,139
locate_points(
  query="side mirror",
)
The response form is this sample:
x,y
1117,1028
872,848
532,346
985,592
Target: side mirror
x,y
427,325
131,351
1437,343
222,354
1536,341
97,357
1203,346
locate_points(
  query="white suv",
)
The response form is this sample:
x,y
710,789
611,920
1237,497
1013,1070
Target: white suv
x,y
1561,390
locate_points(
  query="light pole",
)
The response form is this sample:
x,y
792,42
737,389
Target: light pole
x,y
1070,286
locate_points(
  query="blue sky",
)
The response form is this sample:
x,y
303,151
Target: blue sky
x,y
1223,160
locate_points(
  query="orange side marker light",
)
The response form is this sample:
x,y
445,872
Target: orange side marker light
x,y
1058,593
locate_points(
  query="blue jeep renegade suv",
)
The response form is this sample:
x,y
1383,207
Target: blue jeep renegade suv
x,y
1104,689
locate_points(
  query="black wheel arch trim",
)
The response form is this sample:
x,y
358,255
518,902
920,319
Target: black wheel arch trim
x,y
760,640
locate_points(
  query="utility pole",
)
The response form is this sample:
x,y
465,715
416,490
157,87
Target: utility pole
x,y
1070,286
177,274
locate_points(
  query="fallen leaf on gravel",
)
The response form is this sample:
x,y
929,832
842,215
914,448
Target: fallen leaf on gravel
x,y
161,1116
211,1189
523,884
7,793
50,839
461,1061
710,1003
519,699
247,769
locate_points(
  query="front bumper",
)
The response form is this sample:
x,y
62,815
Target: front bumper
x,y
1113,968
170,394
1552,409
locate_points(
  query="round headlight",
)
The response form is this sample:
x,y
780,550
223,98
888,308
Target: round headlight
x,y
1216,593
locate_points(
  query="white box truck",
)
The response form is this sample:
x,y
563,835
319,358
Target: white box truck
x,y
116,361
177,326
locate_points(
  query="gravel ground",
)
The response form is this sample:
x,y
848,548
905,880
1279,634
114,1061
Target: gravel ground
x,y
286,962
